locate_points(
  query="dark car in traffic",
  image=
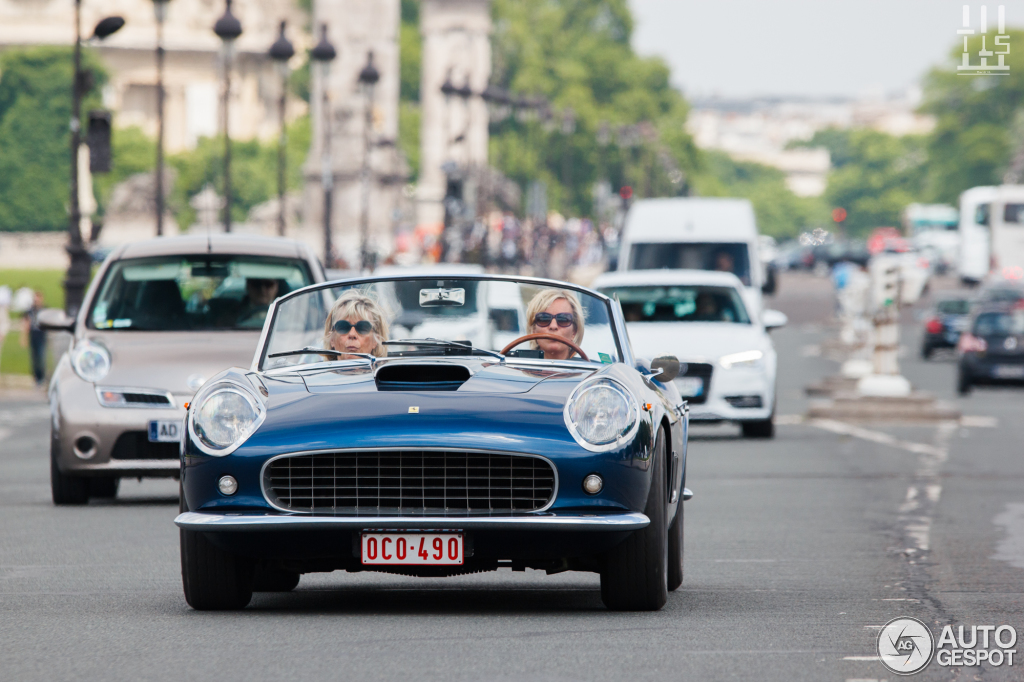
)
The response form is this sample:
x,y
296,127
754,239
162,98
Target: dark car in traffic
x,y
944,324
992,352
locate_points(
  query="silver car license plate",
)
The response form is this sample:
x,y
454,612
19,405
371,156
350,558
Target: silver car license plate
x,y
690,387
1008,371
164,431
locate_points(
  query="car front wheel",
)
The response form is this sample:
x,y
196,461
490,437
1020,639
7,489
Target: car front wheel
x,y
634,574
214,580
763,428
64,488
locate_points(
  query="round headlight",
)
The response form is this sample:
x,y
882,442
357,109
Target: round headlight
x,y
90,361
225,418
602,413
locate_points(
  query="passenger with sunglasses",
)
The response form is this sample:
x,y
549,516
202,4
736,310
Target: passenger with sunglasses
x,y
558,312
356,324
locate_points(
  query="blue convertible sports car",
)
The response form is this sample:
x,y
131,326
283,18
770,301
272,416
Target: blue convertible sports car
x,y
434,426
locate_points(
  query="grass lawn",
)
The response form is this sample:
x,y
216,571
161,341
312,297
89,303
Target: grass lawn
x,y
14,359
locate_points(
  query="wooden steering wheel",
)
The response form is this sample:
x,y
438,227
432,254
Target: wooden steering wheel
x,y
552,337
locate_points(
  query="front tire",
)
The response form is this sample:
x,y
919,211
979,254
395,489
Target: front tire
x,y
634,574
65,489
214,580
963,383
763,428
675,549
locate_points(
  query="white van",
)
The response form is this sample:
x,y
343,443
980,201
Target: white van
x,y
991,233
695,233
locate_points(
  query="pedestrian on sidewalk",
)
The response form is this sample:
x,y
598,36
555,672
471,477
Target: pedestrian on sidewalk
x,y
35,338
5,318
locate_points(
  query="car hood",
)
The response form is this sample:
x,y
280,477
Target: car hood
x,y
693,341
166,360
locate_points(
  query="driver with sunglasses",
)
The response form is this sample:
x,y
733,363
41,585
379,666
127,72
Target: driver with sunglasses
x,y
558,312
356,324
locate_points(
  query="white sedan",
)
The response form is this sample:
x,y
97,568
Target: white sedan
x,y
728,362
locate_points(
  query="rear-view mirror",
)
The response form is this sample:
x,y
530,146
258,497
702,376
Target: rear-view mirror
x,y
773,319
436,298
665,368
55,320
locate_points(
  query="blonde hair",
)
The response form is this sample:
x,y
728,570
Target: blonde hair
x,y
546,297
354,303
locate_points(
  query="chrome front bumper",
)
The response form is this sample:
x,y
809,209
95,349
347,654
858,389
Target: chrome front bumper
x,y
212,522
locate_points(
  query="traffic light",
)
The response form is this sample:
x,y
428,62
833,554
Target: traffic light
x,y
98,138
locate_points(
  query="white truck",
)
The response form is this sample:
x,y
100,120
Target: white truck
x,y
695,233
991,233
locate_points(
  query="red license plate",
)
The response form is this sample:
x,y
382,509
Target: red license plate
x,y
412,549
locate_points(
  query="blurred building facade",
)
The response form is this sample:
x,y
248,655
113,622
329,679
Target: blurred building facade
x,y
456,48
759,130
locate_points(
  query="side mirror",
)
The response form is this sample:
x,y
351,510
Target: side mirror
x,y
55,320
665,368
773,319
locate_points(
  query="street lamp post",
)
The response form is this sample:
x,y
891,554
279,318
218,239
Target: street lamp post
x,y
160,11
227,28
281,51
323,54
368,78
77,276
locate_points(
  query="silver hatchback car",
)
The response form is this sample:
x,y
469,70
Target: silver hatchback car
x,y
159,318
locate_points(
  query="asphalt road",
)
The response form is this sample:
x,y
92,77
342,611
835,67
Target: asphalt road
x,y
797,549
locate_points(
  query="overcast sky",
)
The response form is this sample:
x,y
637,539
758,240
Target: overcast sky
x,y
743,48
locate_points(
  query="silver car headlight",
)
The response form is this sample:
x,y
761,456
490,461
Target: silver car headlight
x,y
91,361
223,418
747,358
601,415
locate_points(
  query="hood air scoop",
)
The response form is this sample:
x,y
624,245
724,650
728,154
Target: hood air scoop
x,y
404,377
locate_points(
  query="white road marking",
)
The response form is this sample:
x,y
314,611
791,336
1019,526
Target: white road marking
x,y
789,419
845,429
979,421
4,433
1011,547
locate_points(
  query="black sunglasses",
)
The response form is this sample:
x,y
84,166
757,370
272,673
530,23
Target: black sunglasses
x,y
344,327
563,319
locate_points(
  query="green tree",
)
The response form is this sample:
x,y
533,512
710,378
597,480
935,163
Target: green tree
x,y
780,213
973,140
35,108
877,178
577,55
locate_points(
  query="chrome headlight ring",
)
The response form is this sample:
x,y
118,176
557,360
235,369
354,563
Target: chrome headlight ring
x,y
91,361
209,407
612,397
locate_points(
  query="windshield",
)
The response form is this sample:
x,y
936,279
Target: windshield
x,y
692,256
177,293
680,303
954,306
445,316
1000,324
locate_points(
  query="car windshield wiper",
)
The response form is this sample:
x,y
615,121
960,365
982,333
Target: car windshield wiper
x,y
448,344
321,351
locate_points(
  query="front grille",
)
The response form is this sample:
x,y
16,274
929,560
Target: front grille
x,y
146,399
409,482
697,369
744,400
136,445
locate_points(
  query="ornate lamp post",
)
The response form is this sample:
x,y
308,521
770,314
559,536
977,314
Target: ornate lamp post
x,y
281,51
77,276
227,28
368,78
160,11
323,54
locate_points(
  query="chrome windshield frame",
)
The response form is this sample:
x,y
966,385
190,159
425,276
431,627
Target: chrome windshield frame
x,y
617,325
